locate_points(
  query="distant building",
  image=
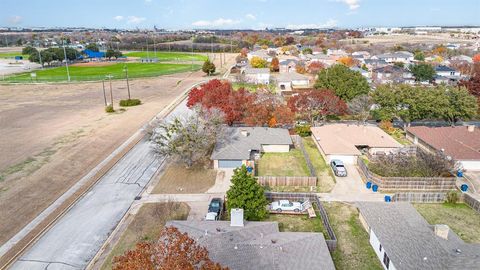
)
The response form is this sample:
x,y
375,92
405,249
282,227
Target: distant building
x,y
257,75
392,74
288,65
401,56
292,80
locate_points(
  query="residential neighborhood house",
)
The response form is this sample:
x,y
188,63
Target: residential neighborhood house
x,y
461,143
292,80
403,240
346,142
249,245
257,75
241,145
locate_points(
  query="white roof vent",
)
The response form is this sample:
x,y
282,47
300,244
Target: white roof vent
x,y
236,217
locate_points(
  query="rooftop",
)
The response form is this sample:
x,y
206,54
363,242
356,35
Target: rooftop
x,y
235,145
457,142
258,245
250,70
411,242
342,139
291,76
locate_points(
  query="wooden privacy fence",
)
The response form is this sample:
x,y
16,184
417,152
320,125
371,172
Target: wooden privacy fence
x,y
273,181
331,238
407,183
421,197
474,203
297,141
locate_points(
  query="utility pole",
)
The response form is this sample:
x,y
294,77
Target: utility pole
x,y
154,47
125,68
109,76
192,54
104,95
66,60
40,58
231,45
148,55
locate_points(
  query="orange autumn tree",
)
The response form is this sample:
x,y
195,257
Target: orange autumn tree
x,y
172,251
347,61
476,58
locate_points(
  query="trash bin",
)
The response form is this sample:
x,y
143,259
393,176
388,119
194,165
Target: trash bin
x,y
464,187
388,198
369,185
375,188
459,174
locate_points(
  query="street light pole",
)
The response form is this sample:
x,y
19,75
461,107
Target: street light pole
x,y
40,58
109,76
66,60
128,85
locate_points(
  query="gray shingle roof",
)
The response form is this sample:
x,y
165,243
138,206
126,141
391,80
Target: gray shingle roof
x,y
256,70
444,68
258,245
290,76
234,145
410,241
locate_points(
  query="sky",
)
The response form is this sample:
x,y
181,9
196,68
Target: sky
x,y
238,14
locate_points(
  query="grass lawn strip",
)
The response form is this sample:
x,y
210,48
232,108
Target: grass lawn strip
x,y
298,223
326,181
13,54
178,179
168,56
283,164
146,226
462,219
93,73
353,247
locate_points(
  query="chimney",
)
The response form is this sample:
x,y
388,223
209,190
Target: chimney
x,y
244,133
236,217
471,128
441,231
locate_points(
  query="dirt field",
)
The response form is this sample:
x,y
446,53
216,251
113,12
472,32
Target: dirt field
x,y
440,38
52,135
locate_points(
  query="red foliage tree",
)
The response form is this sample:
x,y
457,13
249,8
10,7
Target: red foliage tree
x,y
476,58
268,110
312,105
220,94
275,65
315,67
173,250
473,84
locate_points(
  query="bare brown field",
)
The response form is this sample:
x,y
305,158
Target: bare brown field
x,y
440,38
53,134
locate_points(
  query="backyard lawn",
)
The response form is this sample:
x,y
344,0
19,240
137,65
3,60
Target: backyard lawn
x,y
178,179
326,181
353,247
298,223
93,73
251,87
283,164
146,226
462,219
168,56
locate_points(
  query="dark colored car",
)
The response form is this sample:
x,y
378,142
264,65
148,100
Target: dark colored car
x,y
215,206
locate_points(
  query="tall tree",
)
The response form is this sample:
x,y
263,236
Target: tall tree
x,y
246,193
190,140
316,105
423,72
314,67
92,47
462,105
361,106
257,62
346,83
173,250
275,65
473,84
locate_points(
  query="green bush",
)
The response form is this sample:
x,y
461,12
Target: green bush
x,y
303,130
452,197
130,102
109,109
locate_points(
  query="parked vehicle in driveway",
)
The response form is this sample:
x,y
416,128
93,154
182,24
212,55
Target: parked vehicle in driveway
x,y
286,205
214,209
338,168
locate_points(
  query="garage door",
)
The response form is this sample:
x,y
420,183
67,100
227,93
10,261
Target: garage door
x,y
346,159
229,163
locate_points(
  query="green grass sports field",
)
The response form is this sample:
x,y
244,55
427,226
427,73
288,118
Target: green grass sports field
x,y
168,56
94,73
13,54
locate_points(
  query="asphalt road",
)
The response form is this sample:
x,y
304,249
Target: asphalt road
x,y
75,239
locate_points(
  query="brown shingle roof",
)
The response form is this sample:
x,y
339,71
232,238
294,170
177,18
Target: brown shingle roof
x,y
457,142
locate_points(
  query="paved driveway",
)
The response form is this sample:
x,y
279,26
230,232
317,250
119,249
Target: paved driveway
x,y
473,178
351,188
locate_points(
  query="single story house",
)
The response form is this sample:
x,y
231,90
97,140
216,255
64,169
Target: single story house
x,y
391,74
288,65
257,75
260,53
401,56
347,141
239,145
403,240
241,245
374,63
461,143
322,58
292,80
451,74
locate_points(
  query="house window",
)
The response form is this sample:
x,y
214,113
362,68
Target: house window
x,y
452,73
282,86
380,248
386,260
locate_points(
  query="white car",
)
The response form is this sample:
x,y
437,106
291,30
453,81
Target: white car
x,y
211,216
286,205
